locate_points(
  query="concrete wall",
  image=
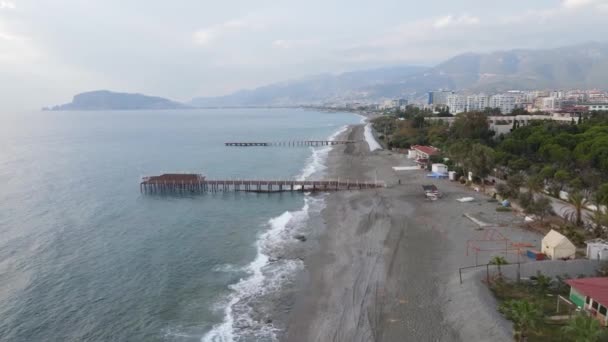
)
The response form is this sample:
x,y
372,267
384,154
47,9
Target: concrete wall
x,y
553,268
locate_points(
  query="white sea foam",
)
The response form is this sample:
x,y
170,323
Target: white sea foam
x,y
363,118
227,268
316,162
369,138
268,273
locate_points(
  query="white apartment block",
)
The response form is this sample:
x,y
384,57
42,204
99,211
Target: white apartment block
x,y
598,107
477,102
549,104
505,102
457,103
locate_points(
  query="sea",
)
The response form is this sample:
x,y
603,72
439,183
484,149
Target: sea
x,y
84,256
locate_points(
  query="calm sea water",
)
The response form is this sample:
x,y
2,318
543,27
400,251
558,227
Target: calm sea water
x,y
85,257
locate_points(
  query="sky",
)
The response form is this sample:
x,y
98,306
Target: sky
x,y
53,49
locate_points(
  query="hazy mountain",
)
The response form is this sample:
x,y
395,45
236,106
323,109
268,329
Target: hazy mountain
x,y
579,66
107,100
317,89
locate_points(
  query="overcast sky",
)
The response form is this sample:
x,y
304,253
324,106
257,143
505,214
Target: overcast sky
x,y
52,49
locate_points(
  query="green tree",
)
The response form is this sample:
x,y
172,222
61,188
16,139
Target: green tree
x,y
535,184
459,152
499,261
598,216
583,328
541,282
481,160
524,315
578,203
542,208
473,126
547,173
602,194
514,183
562,177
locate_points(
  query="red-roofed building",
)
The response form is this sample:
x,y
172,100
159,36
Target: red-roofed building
x,y
422,154
591,295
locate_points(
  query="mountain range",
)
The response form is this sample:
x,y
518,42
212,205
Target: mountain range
x,y
571,67
583,66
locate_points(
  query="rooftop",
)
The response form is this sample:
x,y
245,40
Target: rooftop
x,y
595,288
430,150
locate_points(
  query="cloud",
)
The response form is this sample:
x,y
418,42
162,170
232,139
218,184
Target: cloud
x,y
8,5
572,4
450,20
294,43
208,35
9,37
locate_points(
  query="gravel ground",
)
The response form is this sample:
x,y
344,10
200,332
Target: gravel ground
x,y
386,266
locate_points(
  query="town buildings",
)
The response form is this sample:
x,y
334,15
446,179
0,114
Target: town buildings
x,y
439,97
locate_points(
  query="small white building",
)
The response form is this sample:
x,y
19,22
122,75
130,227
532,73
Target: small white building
x,y
597,249
439,168
556,246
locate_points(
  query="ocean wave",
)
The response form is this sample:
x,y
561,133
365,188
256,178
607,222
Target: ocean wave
x,y
316,162
363,118
269,271
227,268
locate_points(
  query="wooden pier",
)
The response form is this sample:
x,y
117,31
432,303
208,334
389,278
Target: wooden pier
x,y
295,143
195,183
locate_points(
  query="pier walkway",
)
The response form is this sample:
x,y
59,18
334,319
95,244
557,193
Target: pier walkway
x,y
195,183
295,143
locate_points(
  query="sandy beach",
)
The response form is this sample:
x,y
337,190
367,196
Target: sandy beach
x,y
385,268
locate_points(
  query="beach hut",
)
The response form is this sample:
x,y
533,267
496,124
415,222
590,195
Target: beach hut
x,y
597,249
556,246
591,295
439,168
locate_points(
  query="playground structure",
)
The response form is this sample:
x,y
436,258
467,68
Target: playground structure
x,y
494,242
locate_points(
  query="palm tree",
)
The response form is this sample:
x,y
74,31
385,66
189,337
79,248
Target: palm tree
x,y
599,217
578,203
498,261
524,315
535,184
541,282
583,329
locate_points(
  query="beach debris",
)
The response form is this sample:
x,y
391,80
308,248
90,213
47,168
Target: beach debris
x,y
300,237
406,168
466,199
431,192
477,221
506,203
528,219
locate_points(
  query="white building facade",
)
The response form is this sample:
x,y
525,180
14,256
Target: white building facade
x,y
477,102
505,102
457,103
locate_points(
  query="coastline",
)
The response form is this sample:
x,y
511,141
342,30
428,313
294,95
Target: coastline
x,y
385,265
257,307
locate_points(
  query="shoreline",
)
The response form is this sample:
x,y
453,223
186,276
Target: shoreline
x,y
385,265
258,304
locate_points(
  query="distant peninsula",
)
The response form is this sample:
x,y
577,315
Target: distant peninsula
x,y
108,100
